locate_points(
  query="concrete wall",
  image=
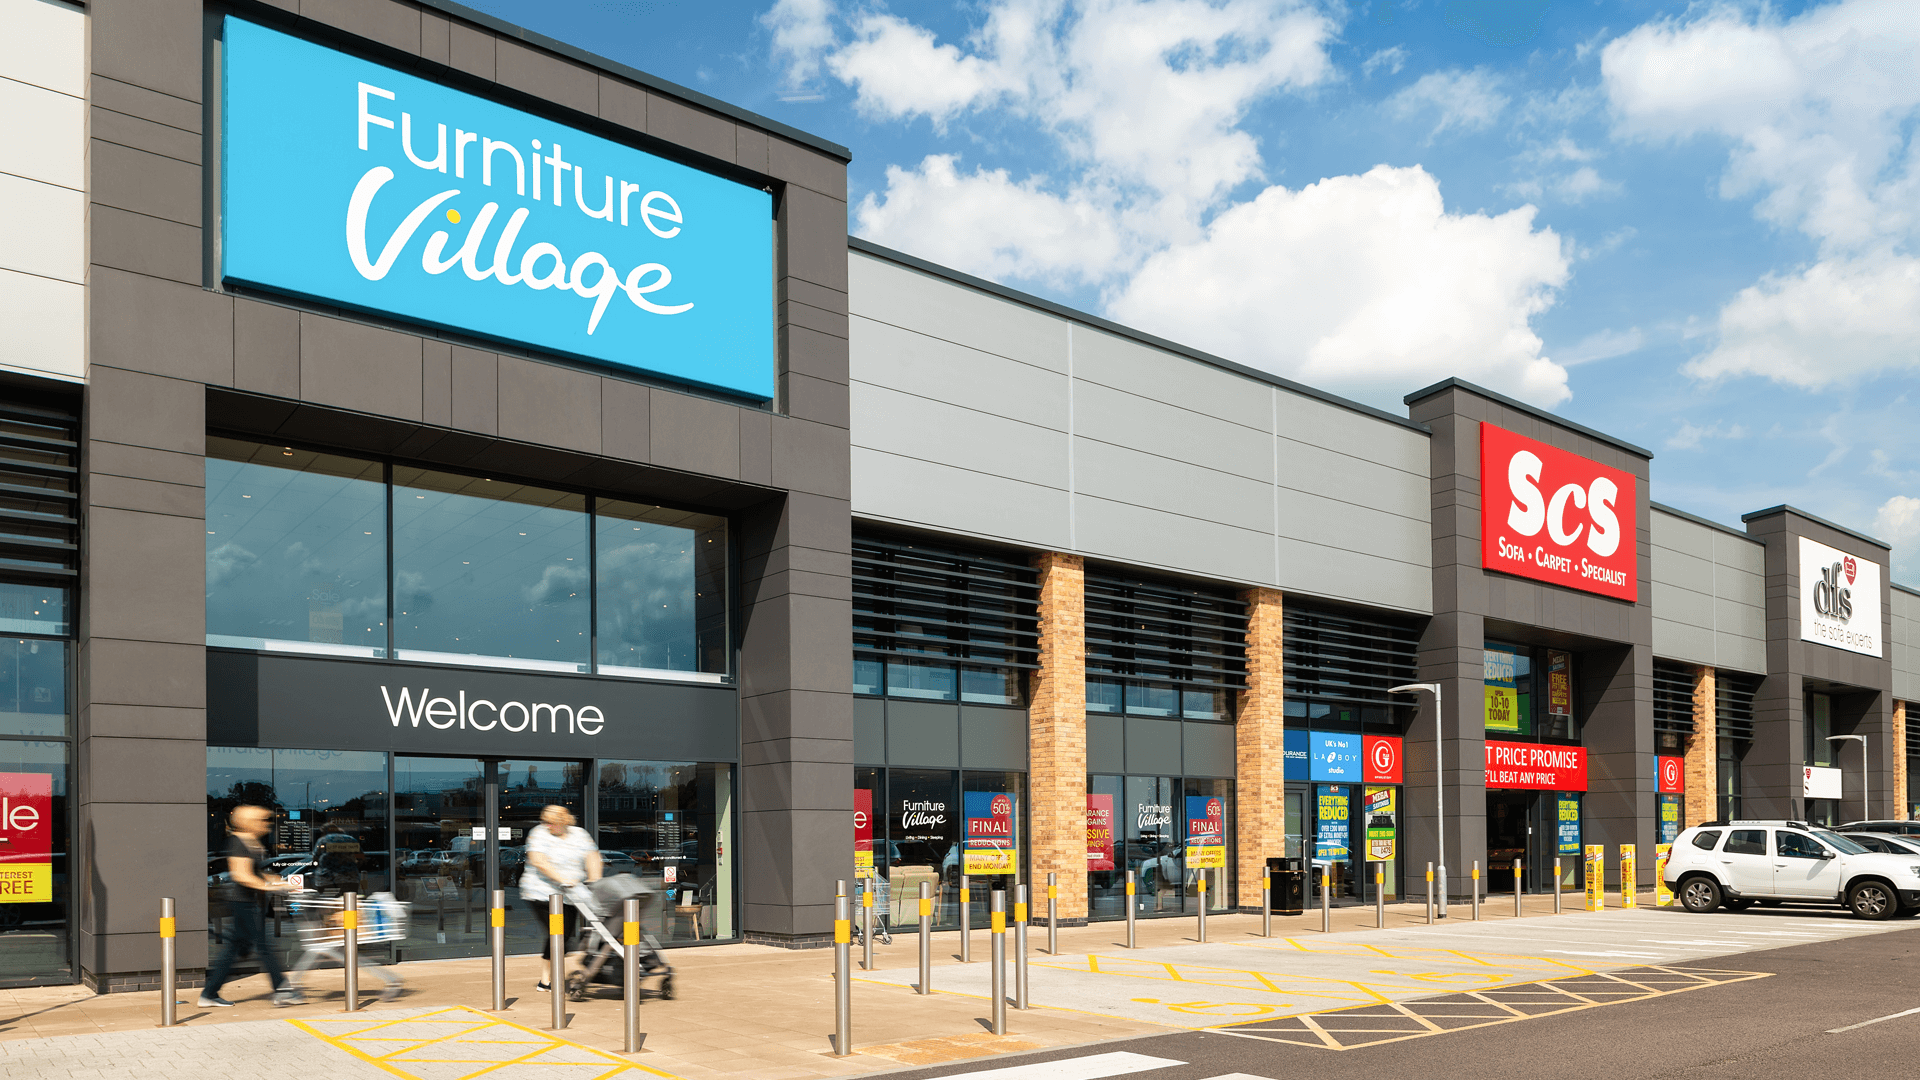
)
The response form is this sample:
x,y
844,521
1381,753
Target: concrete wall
x,y
980,413
1709,594
1906,644
43,185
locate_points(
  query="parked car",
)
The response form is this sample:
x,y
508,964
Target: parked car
x,y
1885,843
1735,864
1897,828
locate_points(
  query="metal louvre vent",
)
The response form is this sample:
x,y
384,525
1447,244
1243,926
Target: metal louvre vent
x,y
1346,658
919,601
1673,698
39,474
1913,736
1154,632
1733,704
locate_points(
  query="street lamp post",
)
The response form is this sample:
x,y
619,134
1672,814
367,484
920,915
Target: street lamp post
x,y
1439,780
1866,776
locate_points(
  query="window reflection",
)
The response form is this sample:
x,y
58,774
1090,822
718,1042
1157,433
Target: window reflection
x,y
296,549
662,589
486,568
33,687
32,609
666,823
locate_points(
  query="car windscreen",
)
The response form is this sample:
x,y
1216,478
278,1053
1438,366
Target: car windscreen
x,y
1841,842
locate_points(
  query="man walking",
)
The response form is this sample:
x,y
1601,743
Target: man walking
x,y
250,888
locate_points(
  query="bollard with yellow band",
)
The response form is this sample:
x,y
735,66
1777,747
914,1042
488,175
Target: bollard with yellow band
x,y
926,936
497,946
866,923
1053,915
1629,877
842,974
997,935
1326,899
1662,895
1380,895
1020,947
1130,912
1201,892
1519,875
1266,903
1429,894
350,958
630,972
169,962
1476,890
966,921
557,960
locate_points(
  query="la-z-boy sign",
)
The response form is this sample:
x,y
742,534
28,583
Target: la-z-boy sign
x,y
360,185
1557,517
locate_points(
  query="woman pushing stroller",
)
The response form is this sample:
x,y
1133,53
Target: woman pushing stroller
x,y
560,856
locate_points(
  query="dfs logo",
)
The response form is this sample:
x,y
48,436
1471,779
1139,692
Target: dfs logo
x,y
1830,597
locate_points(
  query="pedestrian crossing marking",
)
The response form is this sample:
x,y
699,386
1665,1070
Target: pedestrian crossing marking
x,y
460,1043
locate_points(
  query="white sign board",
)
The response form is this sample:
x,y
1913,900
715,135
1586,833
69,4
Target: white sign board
x,y
1839,599
1820,783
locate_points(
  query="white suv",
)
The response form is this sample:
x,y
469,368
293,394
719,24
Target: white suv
x,y
1739,863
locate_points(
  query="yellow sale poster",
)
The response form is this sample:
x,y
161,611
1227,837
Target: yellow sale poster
x,y
1662,896
1629,877
1596,877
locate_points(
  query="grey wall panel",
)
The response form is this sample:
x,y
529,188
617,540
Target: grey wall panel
x,y
1137,534
1906,647
1209,749
917,363
887,292
1171,432
993,738
924,734
1153,747
1683,642
1741,554
1125,475
1343,574
1679,534
1362,530
1376,484
920,427
1709,595
903,489
1677,604
1144,371
1312,422
869,731
1106,744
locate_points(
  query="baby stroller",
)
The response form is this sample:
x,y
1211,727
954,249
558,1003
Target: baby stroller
x,y
601,905
324,937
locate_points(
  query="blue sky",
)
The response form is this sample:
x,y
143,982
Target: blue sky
x,y
1691,226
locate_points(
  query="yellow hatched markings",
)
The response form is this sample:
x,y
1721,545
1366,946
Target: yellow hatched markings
x,y
459,1035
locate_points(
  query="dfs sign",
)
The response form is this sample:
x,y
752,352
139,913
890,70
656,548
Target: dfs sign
x,y
1556,517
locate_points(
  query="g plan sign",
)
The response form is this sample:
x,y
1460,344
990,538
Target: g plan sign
x,y
359,185
1839,599
1556,517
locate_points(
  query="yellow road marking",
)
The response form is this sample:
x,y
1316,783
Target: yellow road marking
x,y
471,1028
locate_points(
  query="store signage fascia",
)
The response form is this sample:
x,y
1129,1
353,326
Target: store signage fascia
x,y
1206,833
1335,757
359,185
1557,517
1839,599
1536,766
1382,756
26,831
1671,775
1296,746
1818,782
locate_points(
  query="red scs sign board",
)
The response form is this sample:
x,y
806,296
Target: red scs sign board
x,y
1556,517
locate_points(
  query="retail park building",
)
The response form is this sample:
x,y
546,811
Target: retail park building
x,y
408,422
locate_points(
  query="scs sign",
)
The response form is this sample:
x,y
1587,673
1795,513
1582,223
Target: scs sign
x,y
1556,517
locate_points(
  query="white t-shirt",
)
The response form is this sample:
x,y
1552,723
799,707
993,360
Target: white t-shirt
x,y
566,854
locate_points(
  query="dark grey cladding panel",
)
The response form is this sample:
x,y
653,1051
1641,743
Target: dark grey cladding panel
x,y
869,731
923,733
1209,749
1106,744
993,738
328,704
1153,747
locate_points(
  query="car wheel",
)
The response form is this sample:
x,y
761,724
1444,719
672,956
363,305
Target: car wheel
x,y
1699,894
1873,900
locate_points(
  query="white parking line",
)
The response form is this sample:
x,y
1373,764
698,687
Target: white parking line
x,y
1875,1020
1092,1067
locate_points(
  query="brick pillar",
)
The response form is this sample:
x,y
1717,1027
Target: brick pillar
x,y
1703,752
1057,733
1260,786
1898,804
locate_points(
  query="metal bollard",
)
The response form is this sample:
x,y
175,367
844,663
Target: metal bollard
x,y
966,921
1516,888
1203,906
997,934
1130,909
1053,915
866,924
926,936
497,944
1476,890
630,971
1326,900
169,966
1429,894
1380,895
557,959
1556,886
350,928
1020,948
1266,904
842,974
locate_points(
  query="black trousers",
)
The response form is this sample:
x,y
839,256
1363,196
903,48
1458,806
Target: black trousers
x,y
247,934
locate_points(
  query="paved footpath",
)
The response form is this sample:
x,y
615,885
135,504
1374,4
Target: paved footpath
x,y
764,1013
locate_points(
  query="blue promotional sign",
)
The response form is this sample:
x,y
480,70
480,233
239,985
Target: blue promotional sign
x,y
362,186
1331,831
1335,757
1295,748
1567,811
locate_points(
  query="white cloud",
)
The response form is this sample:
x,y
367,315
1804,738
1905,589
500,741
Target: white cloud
x,y
1898,523
898,70
1839,320
1364,285
1392,59
1604,345
1691,435
1469,100
802,36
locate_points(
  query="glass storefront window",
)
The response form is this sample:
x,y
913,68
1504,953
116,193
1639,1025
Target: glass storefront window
x,y
1508,683
492,569
924,823
990,686
296,550
34,934
926,681
33,687
668,824
1152,699
867,676
1103,695
439,868
661,590
1106,848
1198,796
33,609
1153,822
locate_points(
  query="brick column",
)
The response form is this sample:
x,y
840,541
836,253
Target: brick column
x,y
1057,733
1897,806
1260,786
1703,752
